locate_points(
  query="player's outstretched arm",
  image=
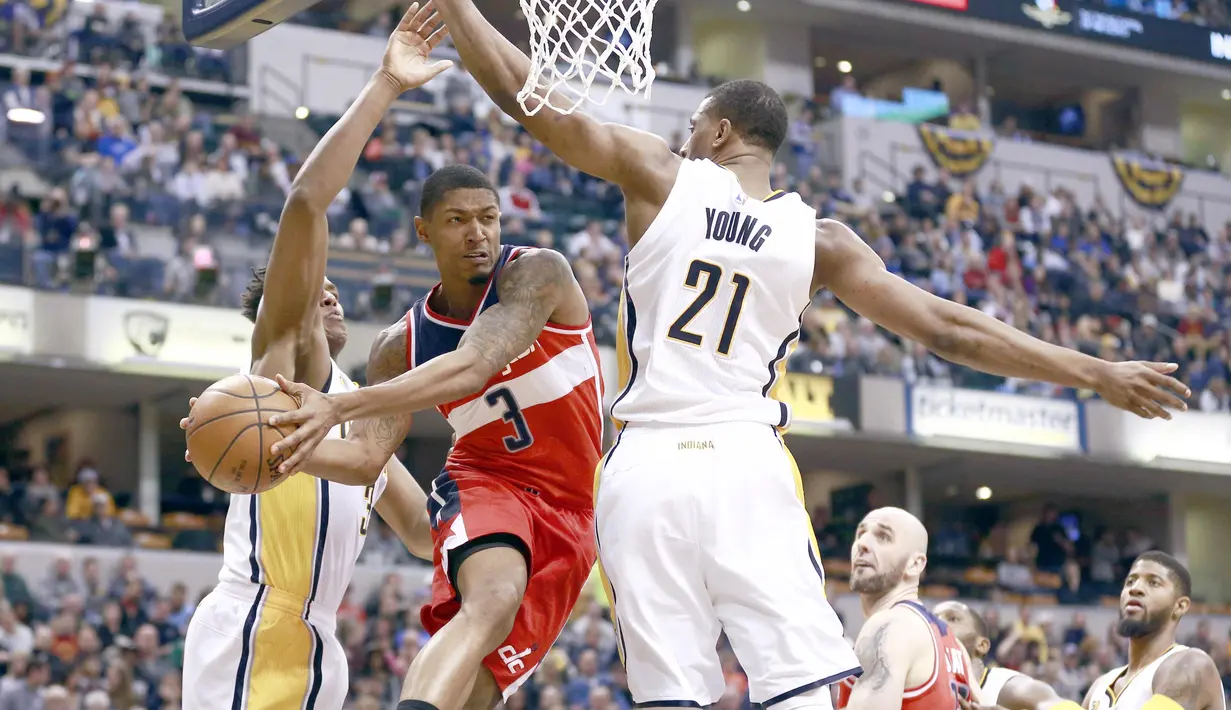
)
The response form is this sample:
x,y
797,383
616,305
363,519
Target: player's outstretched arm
x,y
856,275
886,646
358,459
1025,693
1189,680
535,288
641,163
289,314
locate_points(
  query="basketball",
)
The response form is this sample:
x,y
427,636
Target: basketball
x,y
228,437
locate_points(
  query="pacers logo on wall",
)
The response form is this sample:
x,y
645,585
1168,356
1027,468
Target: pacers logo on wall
x,y
1047,13
1151,184
960,152
146,331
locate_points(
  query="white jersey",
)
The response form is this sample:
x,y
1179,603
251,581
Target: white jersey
x,y
1136,693
304,536
992,682
713,296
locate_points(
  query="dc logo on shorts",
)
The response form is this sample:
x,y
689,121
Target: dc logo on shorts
x,y
512,658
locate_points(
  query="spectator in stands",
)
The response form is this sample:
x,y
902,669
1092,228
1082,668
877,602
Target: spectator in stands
x,y
1215,397
15,637
1051,543
50,524
963,118
848,89
516,200
27,694
102,527
10,511
1013,574
963,207
15,589
84,495
1105,563
59,584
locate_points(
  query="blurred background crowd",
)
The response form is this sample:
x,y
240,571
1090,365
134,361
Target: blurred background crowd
x,y
157,190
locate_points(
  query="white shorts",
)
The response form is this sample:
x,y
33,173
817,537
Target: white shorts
x,y
248,647
702,529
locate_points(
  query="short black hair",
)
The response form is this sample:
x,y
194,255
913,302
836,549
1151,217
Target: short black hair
x,y
756,112
1179,573
981,625
250,301
449,178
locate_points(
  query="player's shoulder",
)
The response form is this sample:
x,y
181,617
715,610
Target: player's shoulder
x,y
899,622
535,274
388,357
536,260
1184,670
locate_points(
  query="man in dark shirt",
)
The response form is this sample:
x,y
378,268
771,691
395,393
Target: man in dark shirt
x,y
1050,541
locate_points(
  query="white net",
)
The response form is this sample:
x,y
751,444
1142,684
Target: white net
x,y
575,42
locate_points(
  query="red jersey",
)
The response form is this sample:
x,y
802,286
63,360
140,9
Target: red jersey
x,y
950,677
539,422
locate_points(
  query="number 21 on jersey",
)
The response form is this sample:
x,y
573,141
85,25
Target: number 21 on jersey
x,y
713,277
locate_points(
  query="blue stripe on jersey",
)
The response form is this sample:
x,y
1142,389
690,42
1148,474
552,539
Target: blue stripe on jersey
x,y
245,649
773,364
630,330
253,526
320,539
318,670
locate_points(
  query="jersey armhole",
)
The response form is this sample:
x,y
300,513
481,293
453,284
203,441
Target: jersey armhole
x,y
410,340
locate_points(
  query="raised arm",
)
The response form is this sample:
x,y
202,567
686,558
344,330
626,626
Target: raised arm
x,y
536,287
641,163
856,275
886,647
288,331
1189,680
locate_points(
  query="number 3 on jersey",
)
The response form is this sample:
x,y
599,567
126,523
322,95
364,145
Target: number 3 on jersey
x,y
522,437
713,275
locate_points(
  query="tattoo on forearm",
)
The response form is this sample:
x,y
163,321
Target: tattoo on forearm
x,y
872,656
529,289
386,361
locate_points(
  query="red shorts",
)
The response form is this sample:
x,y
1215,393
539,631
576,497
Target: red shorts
x,y
465,506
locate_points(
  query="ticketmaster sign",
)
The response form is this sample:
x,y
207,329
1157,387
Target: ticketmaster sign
x,y
994,417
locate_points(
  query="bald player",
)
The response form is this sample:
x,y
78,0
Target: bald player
x,y
1161,674
996,687
911,660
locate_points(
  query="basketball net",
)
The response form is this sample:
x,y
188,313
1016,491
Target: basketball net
x,y
574,42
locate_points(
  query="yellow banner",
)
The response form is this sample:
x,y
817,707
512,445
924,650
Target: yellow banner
x,y
808,396
960,152
1150,183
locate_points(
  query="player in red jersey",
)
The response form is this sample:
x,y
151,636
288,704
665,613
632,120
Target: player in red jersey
x,y
911,660
502,346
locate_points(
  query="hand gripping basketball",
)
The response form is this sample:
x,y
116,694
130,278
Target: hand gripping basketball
x,y
405,63
316,416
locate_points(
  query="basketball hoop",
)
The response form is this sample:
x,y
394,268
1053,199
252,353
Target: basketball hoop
x,y
573,42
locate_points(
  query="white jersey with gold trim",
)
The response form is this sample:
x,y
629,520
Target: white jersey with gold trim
x,y
1136,693
713,296
992,682
304,536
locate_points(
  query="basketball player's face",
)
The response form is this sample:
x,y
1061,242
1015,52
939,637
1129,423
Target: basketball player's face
x,y
957,616
331,311
1149,600
702,129
464,233
878,557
